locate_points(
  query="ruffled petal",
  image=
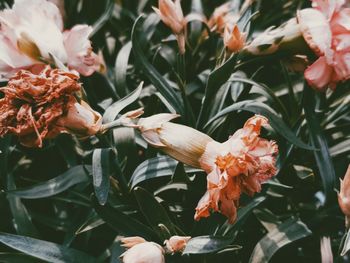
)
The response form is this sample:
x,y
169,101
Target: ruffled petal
x,y
319,74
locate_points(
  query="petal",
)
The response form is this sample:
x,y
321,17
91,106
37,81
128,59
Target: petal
x,y
340,24
319,74
341,42
147,252
342,65
316,30
79,50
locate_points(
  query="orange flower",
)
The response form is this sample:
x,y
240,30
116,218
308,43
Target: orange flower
x,y
344,197
38,107
176,243
236,166
171,14
234,41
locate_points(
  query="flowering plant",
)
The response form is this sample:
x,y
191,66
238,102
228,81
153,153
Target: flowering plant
x,y
174,131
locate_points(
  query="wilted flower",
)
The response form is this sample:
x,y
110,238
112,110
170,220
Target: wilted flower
x,y
142,251
38,107
344,197
238,165
171,14
32,33
176,243
327,31
234,41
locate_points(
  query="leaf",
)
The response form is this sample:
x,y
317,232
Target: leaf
x,y
206,244
152,74
345,244
104,18
284,234
121,66
73,176
155,168
112,111
17,257
122,223
318,140
275,121
154,212
45,250
231,230
21,221
101,170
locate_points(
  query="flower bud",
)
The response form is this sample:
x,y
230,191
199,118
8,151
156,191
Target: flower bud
x,y
234,41
344,197
183,143
176,243
171,14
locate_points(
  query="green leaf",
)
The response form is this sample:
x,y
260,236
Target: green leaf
x,y
18,257
286,233
318,140
152,74
155,168
121,66
73,176
345,244
122,223
275,121
103,18
206,244
101,170
154,212
45,250
231,230
112,111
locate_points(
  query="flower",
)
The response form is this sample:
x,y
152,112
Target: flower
x,y
142,251
41,106
32,33
171,14
236,166
234,40
326,29
344,197
176,243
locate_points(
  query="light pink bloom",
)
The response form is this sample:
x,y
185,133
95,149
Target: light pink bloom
x,y
32,31
222,17
344,197
236,166
326,28
142,251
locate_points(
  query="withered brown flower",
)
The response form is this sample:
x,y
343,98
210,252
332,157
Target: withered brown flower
x,y
41,106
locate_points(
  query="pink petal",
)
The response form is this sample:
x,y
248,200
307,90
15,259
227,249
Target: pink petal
x,y
79,50
342,65
319,74
340,23
316,30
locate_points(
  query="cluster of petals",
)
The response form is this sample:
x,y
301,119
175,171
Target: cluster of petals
x,y
326,29
239,165
172,16
344,197
41,106
141,251
32,33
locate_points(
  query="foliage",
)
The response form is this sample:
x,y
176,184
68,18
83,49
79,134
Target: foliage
x,y
73,199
